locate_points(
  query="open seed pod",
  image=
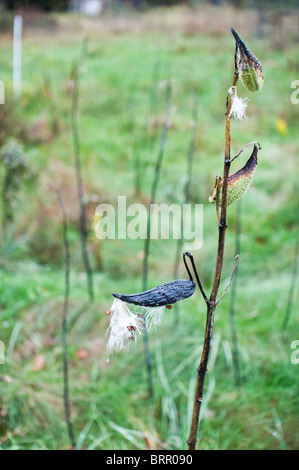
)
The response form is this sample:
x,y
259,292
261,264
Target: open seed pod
x,y
239,182
165,294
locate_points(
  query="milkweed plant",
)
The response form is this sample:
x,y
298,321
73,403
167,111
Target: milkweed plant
x,y
14,167
130,314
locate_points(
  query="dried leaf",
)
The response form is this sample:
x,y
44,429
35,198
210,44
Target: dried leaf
x,y
39,363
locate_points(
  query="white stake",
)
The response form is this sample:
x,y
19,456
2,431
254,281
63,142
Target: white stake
x,y
17,56
2,92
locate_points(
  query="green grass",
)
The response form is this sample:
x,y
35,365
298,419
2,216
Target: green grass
x,y
110,408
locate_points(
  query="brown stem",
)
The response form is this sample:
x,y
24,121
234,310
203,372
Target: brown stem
x,y
211,304
147,240
79,178
64,328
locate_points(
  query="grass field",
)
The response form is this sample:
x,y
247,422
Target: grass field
x,y
121,110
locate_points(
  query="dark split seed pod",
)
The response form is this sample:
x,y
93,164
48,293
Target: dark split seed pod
x,y
165,294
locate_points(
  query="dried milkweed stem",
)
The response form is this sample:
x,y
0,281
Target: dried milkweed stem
x,y
292,282
211,304
244,148
147,240
230,281
66,397
236,366
77,157
135,145
190,159
138,140
156,179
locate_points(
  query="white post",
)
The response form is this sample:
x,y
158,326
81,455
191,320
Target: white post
x,y
17,56
2,353
2,92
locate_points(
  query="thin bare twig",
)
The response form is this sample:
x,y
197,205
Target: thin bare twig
x,y
156,179
135,145
196,275
230,281
77,156
190,159
244,148
236,367
66,394
137,139
147,240
292,283
217,200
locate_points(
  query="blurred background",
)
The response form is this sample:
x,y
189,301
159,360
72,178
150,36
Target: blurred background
x,y
83,96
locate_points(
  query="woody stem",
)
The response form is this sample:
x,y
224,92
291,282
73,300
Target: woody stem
x,y
211,304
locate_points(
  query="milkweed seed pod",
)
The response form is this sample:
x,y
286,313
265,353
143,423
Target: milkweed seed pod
x,y
163,295
127,322
248,67
238,183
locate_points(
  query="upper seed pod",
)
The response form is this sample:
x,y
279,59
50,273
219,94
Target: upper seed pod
x,y
248,67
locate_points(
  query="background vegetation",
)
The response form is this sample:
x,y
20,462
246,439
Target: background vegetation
x,y
121,107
